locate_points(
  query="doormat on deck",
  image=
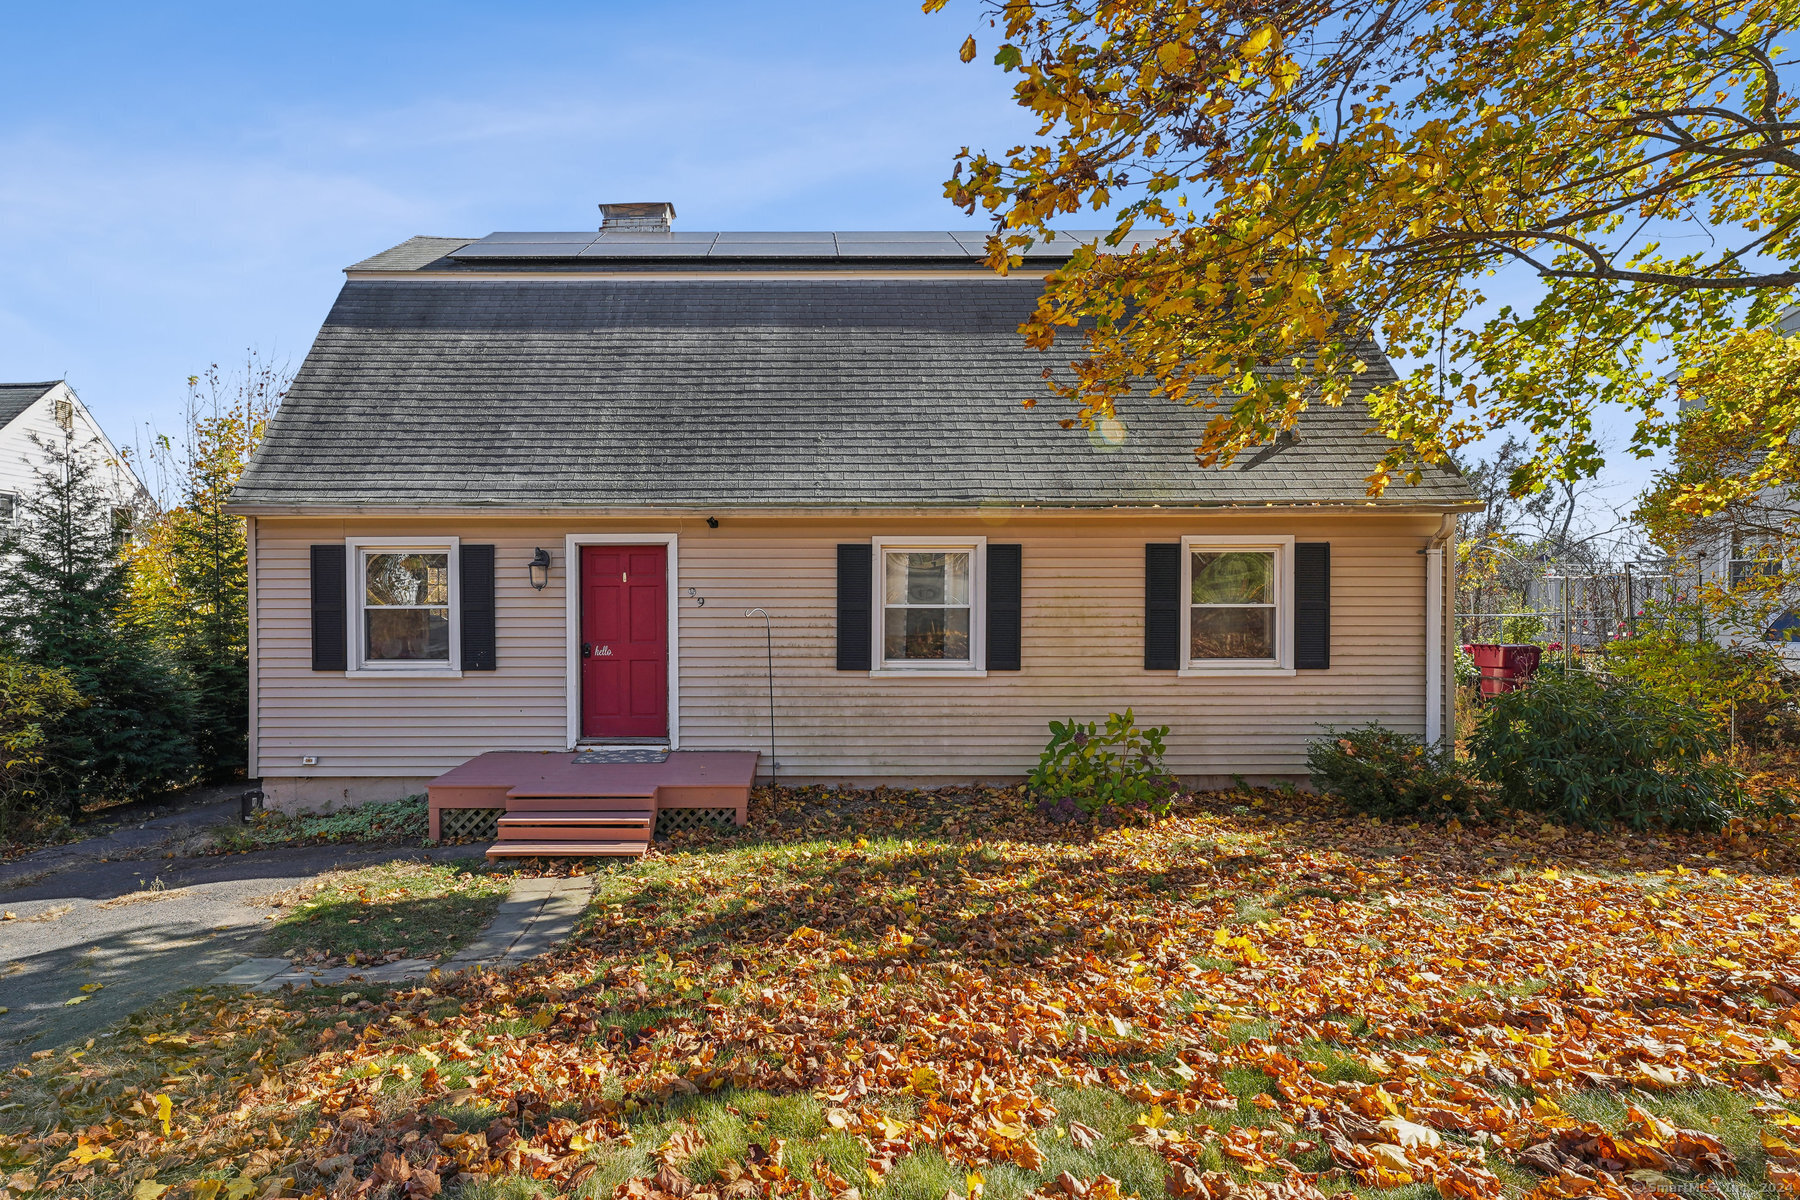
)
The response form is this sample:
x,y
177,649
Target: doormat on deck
x,y
622,754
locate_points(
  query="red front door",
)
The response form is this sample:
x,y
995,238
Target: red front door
x,y
624,642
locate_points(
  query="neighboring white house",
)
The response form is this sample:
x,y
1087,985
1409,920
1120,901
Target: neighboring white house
x,y
52,411
1734,556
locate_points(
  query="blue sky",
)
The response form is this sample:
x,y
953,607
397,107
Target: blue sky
x,y
184,182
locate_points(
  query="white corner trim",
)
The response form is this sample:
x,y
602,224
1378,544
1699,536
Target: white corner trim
x,y
1283,663
572,544
254,646
977,663
1434,645
353,586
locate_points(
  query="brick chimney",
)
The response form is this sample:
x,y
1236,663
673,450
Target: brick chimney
x,y
645,217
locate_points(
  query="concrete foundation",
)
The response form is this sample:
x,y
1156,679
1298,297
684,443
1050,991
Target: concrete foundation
x,y
327,793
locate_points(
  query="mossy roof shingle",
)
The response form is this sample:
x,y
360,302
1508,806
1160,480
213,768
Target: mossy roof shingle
x,y
748,393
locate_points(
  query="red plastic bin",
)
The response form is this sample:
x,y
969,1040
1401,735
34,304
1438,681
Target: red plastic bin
x,y
1505,667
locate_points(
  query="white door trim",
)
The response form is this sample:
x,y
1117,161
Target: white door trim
x,y
572,544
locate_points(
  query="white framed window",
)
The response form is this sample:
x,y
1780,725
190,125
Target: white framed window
x,y
1754,559
9,509
1238,611
404,606
930,606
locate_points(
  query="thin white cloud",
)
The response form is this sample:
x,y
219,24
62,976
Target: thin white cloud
x,y
132,259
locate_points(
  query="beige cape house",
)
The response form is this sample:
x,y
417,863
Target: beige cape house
x,y
535,493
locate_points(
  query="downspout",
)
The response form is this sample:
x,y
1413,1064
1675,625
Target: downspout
x,y
1434,630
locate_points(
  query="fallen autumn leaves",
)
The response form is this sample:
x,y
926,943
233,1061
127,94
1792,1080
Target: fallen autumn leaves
x,y
903,995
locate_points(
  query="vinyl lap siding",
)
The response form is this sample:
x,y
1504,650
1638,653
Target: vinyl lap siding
x,y
1082,650
409,727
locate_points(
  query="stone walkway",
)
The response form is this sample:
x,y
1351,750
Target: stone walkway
x,y
536,914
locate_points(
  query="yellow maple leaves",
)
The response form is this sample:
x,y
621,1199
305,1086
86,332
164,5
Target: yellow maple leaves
x,y
1246,950
1283,199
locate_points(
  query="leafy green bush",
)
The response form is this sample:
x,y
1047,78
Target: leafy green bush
x,y
1467,673
1522,628
34,703
1095,770
1748,687
407,819
1387,773
1593,751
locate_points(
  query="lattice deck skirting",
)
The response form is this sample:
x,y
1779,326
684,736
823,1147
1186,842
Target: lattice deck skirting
x,y
674,820
456,823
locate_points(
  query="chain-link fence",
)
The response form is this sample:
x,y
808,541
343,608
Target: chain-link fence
x,y
1584,609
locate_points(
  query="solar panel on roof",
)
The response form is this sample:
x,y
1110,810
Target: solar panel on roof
x,y
877,235
753,244
1066,240
623,249
520,250
945,249
734,249
778,235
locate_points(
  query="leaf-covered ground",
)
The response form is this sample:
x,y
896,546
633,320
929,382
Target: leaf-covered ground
x,y
895,997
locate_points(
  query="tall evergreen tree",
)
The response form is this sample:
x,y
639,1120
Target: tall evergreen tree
x,y
189,580
63,605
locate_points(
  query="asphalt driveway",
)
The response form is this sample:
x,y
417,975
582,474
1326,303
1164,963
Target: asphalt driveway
x,y
141,929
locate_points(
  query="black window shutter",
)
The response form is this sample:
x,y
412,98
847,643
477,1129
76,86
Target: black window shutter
x,y
1162,606
1004,606
475,573
855,605
330,638
1312,605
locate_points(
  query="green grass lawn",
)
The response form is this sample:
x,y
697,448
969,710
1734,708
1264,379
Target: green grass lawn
x,y
394,910
909,996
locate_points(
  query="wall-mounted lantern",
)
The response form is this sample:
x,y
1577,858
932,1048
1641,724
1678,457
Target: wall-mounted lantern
x,y
540,569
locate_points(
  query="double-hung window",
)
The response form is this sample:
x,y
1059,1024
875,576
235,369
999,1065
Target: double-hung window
x,y
1754,560
929,605
403,597
1239,611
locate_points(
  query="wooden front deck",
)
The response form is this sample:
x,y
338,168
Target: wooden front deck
x,y
548,804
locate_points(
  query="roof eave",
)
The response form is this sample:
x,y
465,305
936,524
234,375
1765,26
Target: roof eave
x,y
343,509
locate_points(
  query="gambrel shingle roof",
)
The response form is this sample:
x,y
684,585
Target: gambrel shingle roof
x,y
810,392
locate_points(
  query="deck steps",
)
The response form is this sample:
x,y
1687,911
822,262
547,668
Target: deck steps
x,y
623,819
600,826
564,827
548,804
592,848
